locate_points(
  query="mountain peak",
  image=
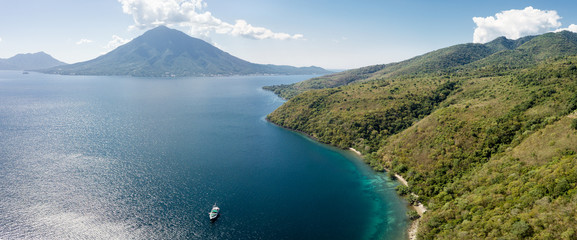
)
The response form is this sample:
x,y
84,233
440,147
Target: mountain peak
x,y
163,30
29,61
163,51
161,27
503,43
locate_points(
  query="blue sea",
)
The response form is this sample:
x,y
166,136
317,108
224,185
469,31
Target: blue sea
x,y
86,157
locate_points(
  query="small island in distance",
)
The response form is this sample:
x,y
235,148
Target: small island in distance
x,y
165,52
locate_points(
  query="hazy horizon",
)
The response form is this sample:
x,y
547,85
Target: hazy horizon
x,y
335,35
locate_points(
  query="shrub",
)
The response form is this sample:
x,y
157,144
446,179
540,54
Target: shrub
x,y
413,215
401,168
521,229
574,124
402,190
412,199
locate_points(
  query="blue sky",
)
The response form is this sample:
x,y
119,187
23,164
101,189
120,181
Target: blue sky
x,y
332,34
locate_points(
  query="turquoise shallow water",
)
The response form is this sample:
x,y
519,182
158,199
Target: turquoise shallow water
x,y
139,158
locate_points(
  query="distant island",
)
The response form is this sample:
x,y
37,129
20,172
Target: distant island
x,y
165,52
29,61
484,134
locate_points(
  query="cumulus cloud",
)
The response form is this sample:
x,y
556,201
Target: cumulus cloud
x,y
515,23
571,28
83,41
116,42
191,14
242,28
0,40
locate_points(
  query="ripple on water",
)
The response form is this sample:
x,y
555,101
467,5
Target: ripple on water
x,y
126,158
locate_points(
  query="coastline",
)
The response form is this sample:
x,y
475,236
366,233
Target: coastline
x,y
413,226
420,208
356,151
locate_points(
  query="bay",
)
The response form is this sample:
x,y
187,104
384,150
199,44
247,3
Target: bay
x,y
85,157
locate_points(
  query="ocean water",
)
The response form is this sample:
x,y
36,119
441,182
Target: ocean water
x,y
146,158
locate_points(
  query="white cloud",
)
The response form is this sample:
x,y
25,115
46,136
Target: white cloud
x,y
191,14
0,40
571,28
83,41
242,28
115,42
515,23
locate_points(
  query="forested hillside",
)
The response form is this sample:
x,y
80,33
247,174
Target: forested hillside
x,y
485,134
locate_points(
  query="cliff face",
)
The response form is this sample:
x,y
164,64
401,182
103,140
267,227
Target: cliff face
x,y
484,134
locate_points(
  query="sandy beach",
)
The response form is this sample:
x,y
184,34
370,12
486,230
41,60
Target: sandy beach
x,y
420,208
356,151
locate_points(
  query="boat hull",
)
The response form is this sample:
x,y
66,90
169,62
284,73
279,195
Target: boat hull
x,y
214,213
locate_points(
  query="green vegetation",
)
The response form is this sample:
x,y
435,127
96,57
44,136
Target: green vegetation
x,y
328,81
484,134
403,190
413,215
440,61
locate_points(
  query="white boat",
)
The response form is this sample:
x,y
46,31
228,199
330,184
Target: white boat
x,y
213,214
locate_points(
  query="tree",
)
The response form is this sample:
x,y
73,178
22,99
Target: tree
x,y
413,215
403,190
521,229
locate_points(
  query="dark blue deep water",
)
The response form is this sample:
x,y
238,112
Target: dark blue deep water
x,y
139,158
